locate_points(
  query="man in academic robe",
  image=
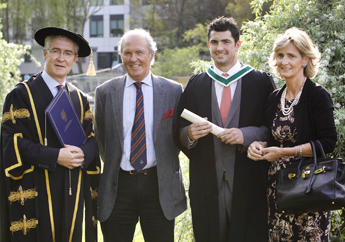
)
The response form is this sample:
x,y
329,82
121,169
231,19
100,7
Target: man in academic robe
x,y
227,190
47,184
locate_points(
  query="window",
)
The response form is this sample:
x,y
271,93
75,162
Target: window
x,y
96,2
106,60
116,2
116,25
96,26
27,58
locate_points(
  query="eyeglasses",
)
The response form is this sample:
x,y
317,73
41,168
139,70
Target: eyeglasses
x,y
57,53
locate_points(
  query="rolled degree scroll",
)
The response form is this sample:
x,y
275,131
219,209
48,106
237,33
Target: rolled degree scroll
x,y
192,117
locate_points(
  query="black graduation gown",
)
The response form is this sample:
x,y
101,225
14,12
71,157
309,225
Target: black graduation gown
x,y
37,188
249,206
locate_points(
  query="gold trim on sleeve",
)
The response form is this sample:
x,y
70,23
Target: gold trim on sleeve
x,y
89,115
91,135
22,195
24,225
15,113
96,172
7,170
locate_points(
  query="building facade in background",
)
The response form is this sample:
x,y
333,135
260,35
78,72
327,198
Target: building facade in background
x,y
103,30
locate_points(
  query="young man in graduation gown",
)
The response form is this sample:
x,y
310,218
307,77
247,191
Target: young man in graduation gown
x,y
227,190
47,185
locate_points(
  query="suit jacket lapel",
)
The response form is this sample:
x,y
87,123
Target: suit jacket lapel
x,y
215,107
117,104
158,104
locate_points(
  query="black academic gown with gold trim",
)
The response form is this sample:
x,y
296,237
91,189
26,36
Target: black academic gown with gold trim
x,y
37,188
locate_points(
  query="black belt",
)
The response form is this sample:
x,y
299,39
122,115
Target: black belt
x,y
145,171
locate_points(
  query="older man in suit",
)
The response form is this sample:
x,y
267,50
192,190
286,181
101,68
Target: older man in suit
x,y
142,176
227,189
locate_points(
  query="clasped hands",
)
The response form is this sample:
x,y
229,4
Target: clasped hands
x,y
258,151
228,136
70,156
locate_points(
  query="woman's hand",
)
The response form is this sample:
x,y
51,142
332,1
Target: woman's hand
x,y
254,151
272,153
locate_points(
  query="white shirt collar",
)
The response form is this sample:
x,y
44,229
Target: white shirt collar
x,y
232,70
51,82
147,80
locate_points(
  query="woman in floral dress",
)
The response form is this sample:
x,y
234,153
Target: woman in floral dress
x,y
297,113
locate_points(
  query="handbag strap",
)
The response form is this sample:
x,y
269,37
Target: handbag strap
x,y
321,148
309,187
312,179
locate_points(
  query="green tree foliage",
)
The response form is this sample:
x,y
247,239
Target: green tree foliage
x,y
175,62
11,56
240,10
168,20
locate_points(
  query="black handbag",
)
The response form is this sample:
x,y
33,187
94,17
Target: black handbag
x,y
317,184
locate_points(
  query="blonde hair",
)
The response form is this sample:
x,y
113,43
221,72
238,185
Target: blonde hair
x,y
305,46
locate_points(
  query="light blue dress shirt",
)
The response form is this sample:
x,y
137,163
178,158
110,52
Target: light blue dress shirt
x,y
51,83
129,103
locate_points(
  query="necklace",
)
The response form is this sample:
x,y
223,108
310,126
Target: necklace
x,y
287,111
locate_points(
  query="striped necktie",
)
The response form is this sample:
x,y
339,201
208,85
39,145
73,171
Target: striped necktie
x,y
138,141
59,86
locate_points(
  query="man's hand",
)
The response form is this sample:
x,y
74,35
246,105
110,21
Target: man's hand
x,y
232,136
199,130
70,156
254,151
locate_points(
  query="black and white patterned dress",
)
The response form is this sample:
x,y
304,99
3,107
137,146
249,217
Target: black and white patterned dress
x,y
313,227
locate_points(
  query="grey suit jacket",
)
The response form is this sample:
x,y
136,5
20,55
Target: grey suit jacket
x,y
109,134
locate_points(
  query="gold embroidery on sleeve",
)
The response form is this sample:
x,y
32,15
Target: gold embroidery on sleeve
x,y
24,225
94,193
14,114
22,195
89,115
